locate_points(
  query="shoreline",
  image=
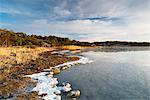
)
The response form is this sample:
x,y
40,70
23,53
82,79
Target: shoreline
x,y
15,62
47,84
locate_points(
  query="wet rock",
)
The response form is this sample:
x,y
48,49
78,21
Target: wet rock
x,y
64,67
74,94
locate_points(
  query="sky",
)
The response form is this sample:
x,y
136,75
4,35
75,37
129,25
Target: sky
x,y
84,20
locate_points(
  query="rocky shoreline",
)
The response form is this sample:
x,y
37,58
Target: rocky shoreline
x,y
12,81
47,86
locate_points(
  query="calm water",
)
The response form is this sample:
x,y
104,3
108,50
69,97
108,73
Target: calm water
x,y
112,76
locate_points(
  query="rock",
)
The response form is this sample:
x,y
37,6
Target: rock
x,y
56,71
64,67
74,94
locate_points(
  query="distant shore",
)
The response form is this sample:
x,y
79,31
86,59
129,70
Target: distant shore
x,y
9,38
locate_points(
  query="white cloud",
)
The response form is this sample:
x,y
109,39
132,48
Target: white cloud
x,y
94,30
133,23
102,7
76,26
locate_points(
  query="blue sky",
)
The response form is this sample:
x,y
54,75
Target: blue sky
x,y
84,20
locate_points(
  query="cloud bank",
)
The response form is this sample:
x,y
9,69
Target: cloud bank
x,y
85,20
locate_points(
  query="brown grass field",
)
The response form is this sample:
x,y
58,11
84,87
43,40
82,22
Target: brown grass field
x,y
23,54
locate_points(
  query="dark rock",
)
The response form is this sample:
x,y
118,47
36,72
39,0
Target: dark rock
x,y
64,67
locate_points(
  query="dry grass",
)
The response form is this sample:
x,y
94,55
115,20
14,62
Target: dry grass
x,y
23,54
72,47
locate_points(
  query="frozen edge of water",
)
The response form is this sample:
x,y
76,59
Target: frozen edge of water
x,y
47,84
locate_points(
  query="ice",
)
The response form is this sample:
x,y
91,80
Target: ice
x,y
47,84
82,60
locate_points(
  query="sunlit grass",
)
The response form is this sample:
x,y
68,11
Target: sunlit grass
x,y
72,47
23,54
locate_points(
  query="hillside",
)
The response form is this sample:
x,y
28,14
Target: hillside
x,y
10,38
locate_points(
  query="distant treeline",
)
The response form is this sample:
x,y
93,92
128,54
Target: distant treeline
x,y
10,38
121,43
